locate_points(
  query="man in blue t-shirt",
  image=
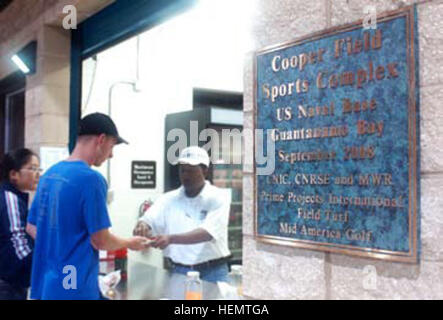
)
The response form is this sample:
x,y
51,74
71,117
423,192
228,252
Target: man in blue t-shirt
x,y
69,219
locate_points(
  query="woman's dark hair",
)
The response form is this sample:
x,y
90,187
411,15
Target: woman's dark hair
x,y
14,160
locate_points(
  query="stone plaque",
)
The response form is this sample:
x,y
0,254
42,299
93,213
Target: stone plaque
x,y
341,107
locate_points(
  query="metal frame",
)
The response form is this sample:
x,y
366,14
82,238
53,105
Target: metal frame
x,y
7,116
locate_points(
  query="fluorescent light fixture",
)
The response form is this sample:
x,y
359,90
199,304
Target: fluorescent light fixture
x,y
20,64
26,57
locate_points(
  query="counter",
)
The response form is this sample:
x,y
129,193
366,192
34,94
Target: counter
x,y
146,282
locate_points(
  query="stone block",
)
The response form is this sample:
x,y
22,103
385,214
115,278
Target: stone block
x,y
30,105
47,99
248,216
56,129
33,130
430,19
431,217
248,187
55,41
248,204
55,70
431,135
276,272
285,20
430,30
430,102
356,278
248,83
47,130
56,100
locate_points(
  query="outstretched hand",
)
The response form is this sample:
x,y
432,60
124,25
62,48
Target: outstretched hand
x,y
161,241
138,243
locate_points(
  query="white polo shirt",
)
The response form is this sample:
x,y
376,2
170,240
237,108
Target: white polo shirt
x,y
175,213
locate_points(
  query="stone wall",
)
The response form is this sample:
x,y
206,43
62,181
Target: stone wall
x,y
47,91
276,272
22,20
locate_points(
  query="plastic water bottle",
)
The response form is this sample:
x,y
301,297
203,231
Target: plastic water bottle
x,y
193,286
236,276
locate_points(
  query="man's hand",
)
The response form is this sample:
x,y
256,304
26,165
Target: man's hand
x,y
161,242
138,243
142,229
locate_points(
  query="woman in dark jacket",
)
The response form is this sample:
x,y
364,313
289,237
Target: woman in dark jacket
x,y
19,173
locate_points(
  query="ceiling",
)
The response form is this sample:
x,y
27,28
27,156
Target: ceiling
x,y
16,28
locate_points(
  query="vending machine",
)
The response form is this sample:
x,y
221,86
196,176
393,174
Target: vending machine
x,y
222,112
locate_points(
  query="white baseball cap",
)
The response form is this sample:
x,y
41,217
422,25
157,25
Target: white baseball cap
x,y
194,156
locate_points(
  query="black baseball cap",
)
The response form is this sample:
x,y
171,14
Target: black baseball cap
x,y
99,123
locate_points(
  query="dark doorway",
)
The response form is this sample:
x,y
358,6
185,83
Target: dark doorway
x,y
15,120
12,112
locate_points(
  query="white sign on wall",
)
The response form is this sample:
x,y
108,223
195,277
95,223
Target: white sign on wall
x,y
51,155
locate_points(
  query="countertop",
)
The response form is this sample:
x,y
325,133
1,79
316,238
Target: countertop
x,y
147,282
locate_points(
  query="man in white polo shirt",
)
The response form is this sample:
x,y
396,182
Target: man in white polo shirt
x,y
191,222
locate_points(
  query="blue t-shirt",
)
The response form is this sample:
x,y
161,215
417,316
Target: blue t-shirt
x,y
69,206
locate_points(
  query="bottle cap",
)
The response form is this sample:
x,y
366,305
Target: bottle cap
x,y
193,274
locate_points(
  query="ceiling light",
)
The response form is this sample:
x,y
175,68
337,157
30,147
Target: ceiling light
x,y
25,59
